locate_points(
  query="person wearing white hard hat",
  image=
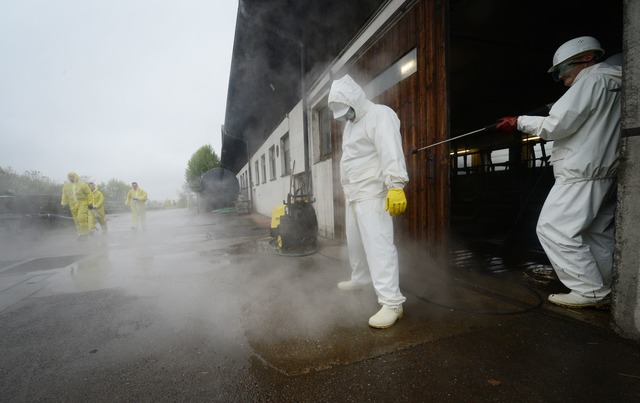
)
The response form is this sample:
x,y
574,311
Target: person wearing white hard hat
x,y
373,175
576,224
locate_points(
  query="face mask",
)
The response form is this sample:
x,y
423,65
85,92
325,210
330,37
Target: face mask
x,y
350,115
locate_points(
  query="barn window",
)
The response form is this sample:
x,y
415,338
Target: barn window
x,y
324,123
286,155
257,174
272,163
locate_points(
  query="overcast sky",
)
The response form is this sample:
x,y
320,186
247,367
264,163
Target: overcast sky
x,y
125,89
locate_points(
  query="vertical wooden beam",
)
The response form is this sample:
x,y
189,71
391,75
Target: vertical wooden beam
x,y
435,51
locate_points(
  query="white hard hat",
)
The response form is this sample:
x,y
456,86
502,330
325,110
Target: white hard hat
x,y
573,48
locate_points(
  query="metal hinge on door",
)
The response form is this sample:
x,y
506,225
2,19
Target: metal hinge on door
x,y
431,169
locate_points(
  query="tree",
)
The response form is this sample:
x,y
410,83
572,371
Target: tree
x,y
28,183
115,191
201,161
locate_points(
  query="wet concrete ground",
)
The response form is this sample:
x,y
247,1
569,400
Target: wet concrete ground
x,y
199,308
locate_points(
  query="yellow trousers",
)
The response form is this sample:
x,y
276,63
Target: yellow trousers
x,y
102,219
138,215
80,213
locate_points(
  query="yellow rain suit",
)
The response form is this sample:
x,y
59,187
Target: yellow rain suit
x,y
137,199
98,208
77,195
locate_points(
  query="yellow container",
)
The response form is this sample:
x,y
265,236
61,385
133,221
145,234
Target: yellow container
x,y
276,214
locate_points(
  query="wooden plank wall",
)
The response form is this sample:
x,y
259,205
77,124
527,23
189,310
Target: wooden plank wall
x,y
436,113
338,195
421,103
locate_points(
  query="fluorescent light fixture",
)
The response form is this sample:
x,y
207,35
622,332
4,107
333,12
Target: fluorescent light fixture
x,y
408,68
403,68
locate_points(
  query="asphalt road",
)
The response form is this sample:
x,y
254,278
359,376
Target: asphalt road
x,y
199,308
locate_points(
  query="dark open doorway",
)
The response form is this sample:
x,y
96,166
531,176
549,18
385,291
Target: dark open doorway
x,y
500,52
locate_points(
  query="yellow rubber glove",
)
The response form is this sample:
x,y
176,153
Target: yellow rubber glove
x,y
396,201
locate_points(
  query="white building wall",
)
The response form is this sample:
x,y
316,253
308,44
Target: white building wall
x,y
269,192
296,135
267,195
323,192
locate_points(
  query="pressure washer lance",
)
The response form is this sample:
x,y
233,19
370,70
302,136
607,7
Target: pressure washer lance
x,y
540,111
484,129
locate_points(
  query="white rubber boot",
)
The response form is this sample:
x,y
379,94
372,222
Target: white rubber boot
x,y
575,300
385,317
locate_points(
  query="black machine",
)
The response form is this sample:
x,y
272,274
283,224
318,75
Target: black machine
x,y
220,188
297,227
294,224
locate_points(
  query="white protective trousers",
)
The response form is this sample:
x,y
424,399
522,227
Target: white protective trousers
x,y
576,230
372,254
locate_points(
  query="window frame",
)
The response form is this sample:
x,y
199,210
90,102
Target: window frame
x,y
285,151
272,163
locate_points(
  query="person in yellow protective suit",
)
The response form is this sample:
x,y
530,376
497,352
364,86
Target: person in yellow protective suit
x,y
98,213
78,196
137,199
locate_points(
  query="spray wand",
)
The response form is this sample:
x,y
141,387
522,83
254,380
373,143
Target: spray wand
x,y
541,111
484,129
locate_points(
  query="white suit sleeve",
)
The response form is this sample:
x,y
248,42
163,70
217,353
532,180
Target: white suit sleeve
x,y
388,143
566,116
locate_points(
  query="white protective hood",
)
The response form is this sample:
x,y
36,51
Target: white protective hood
x,y
348,92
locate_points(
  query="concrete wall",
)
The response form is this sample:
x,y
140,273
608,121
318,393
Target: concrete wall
x,y
626,285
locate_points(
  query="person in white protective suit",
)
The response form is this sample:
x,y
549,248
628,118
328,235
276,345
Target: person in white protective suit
x,y
373,175
576,224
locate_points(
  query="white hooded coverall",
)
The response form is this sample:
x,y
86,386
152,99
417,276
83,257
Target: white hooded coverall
x,y
576,224
372,162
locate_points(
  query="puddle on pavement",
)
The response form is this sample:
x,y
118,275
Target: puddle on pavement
x,y
7,263
191,238
244,248
44,263
300,323
288,347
